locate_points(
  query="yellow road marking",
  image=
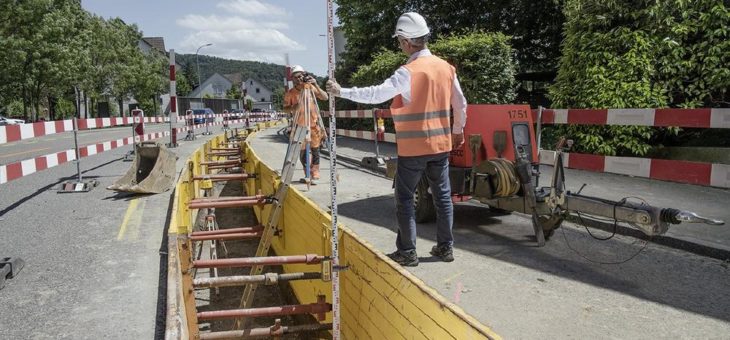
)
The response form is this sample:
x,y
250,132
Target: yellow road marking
x,y
22,152
130,210
453,276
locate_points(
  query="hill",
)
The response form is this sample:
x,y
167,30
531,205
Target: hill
x,y
271,75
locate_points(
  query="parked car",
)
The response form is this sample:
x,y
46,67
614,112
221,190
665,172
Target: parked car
x,y
203,115
10,121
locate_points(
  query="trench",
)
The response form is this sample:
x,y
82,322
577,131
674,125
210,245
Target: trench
x,y
226,298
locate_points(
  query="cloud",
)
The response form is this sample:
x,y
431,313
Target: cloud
x,y
216,23
263,44
236,36
252,8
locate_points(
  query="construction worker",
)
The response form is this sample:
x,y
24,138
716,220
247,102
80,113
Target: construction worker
x,y
424,90
293,103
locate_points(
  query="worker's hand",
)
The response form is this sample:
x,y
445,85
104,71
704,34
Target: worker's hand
x,y
311,80
457,140
333,88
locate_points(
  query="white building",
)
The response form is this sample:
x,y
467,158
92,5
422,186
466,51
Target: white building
x,y
256,90
215,86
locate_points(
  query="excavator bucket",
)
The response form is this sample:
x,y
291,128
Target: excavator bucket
x,y
152,172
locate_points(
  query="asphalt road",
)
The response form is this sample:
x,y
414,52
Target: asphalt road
x,y
564,290
93,260
35,147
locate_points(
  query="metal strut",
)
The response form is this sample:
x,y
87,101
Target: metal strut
x,y
292,155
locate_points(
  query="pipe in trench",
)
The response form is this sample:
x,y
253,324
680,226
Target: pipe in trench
x,y
240,280
253,229
226,237
263,260
227,203
261,332
312,308
224,177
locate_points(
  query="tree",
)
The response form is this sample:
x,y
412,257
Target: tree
x,y
189,72
693,51
640,54
483,63
43,43
182,84
534,27
234,92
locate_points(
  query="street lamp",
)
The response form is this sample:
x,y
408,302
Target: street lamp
x,y
200,87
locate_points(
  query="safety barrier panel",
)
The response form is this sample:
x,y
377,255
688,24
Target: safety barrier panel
x,y
699,173
715,118
13,133
27,167
399,305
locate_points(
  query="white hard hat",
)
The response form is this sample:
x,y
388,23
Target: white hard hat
x,y
297,68
411,25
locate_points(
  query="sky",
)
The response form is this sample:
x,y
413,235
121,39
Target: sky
x,y
260,30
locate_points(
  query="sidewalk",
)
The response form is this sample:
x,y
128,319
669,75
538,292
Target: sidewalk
x,y
573,287
713,241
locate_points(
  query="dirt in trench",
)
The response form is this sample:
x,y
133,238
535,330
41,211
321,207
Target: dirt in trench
x,y
230,297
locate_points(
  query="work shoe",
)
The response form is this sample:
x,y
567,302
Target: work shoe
x,y
444,252
307,181
406,258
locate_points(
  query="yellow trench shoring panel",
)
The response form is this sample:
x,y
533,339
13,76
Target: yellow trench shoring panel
x,y
380,300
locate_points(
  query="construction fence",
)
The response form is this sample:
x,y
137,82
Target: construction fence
x,y
699,173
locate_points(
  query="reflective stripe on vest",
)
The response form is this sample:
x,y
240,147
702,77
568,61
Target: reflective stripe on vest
x,y
423,127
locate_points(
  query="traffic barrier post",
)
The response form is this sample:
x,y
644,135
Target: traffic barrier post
x,y
137,132
189,122
78,185
205,121
173,101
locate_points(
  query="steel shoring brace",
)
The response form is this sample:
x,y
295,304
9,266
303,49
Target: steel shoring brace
x,y
292,156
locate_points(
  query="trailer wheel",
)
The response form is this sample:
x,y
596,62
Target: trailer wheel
x,y
425,209
549,223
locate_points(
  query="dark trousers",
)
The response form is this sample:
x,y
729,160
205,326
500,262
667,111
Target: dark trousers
x,y
408,174
313,156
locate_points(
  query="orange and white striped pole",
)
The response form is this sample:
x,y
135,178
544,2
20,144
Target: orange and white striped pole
x,y
173,101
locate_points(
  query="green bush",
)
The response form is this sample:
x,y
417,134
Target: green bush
x,y
483,62
640,54
65,108
15,109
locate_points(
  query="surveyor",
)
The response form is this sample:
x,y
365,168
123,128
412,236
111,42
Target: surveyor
x,y
294,104
424,90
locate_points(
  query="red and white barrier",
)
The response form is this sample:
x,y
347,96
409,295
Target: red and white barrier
x,y
26,167
19,169
14,133
351,113
716,175
369,135
714,118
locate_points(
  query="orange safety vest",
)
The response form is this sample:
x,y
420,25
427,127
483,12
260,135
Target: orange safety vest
x,y
423,127
292,97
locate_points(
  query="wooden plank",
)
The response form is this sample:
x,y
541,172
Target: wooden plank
x,y
368,306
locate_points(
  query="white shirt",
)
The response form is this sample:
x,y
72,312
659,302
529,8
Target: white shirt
x,y
400,83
